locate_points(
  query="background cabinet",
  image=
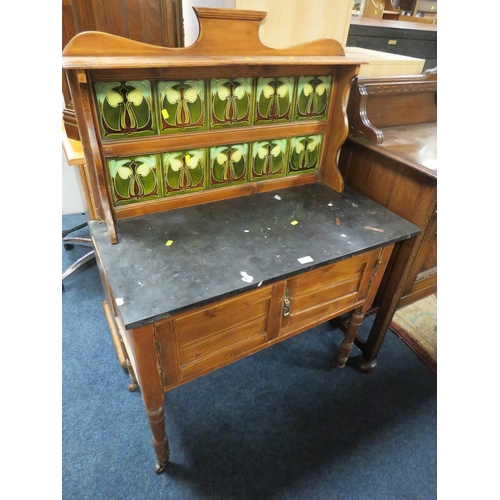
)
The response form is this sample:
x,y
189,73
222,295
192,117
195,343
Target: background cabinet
x,y
158,22
424,8
395,37
290,22
390,156
394,9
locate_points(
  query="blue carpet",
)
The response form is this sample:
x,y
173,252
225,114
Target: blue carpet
x,y
277,425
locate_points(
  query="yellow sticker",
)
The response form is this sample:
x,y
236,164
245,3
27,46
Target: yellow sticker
x,y
169,242
294,222
164,113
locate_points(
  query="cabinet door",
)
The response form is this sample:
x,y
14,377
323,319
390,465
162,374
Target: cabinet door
x,y
194,343
324,293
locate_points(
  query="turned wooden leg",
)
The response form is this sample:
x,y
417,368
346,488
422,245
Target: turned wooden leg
x,y
394,289
150,382
352,329
160,439
367,366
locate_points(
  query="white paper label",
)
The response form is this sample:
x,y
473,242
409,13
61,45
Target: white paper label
x,y
305,260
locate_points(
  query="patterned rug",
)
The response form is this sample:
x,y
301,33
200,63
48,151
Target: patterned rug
x,y
416,324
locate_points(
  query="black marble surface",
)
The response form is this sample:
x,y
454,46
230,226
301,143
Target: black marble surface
x,y
223,248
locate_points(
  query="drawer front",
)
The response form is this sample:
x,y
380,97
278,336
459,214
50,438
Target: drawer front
x,y
324,293
197,342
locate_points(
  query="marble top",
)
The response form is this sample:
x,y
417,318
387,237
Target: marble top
x,y
169,262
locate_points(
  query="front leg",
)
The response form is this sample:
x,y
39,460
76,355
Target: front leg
x,y
160,439
150,382
348,342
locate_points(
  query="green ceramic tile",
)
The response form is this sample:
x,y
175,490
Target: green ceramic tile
x,y
231,102
273,100
135,179
268,159
184,171
228,165
181,106
304,153
125,109
313,94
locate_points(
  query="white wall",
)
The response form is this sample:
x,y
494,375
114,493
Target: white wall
x,y
191,29
72,202
73,199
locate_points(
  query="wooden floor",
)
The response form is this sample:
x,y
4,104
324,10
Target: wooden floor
x,y
416,324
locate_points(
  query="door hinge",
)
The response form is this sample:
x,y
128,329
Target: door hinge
x,y
158,358
374,272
